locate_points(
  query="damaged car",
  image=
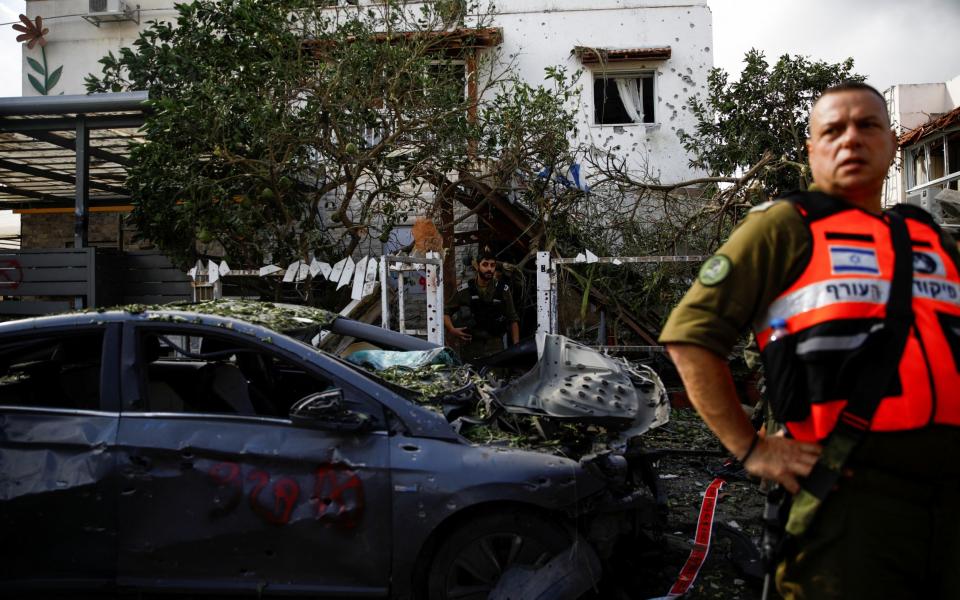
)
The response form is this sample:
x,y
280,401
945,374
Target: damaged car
x,y
214,448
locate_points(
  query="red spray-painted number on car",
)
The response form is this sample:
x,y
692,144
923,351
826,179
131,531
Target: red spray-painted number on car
x,y
338,494
285,494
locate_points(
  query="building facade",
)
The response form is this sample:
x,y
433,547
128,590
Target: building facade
x,y
654,54
638,63
926,118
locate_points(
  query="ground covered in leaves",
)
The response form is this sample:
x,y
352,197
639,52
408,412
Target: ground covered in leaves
x,y
737,520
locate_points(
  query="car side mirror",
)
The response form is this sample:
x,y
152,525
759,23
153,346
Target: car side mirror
x,y
326,410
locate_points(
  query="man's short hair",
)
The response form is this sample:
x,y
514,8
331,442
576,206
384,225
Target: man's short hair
x,y
485,253
850,85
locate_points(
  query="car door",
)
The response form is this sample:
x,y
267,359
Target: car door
x,y
222,491
59,412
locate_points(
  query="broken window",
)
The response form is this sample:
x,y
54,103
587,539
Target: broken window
x,y
953,152
52,372
934,159
218,375
918,166
623,98
937,162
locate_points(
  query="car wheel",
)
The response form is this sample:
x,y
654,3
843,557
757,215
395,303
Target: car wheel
x,y
471,560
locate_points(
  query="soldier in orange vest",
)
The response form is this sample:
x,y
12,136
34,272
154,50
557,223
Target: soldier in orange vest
x,y
857,314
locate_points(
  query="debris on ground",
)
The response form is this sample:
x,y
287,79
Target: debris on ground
x,y
738,523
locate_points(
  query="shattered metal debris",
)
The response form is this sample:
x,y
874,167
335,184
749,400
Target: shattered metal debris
x,y
532,413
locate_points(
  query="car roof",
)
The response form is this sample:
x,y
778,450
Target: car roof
x,y
284,318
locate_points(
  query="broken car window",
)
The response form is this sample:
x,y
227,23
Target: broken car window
x,y
218,375
52,372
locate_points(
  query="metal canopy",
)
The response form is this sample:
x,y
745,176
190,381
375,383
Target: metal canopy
x,y
47,141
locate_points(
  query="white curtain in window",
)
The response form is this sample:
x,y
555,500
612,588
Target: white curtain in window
x,y
629,90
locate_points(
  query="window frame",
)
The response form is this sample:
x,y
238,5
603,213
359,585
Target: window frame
x,y
109,400
133,393
375,134
925,147
633,71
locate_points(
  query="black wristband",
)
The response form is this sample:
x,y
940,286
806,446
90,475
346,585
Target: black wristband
x,y
753,446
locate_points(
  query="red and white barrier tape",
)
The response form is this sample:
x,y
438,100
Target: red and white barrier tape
x,y
701,543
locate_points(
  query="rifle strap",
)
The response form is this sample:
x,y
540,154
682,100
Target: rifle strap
x,y
873,365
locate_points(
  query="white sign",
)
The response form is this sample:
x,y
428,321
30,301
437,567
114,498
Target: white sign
x,y
269,270
347,274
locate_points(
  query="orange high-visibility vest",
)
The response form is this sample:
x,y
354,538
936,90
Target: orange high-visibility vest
x,y
835,302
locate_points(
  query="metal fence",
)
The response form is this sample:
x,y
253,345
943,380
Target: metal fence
x,y
44,281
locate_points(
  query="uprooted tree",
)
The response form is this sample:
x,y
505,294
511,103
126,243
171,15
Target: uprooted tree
x,y
286,129
749,140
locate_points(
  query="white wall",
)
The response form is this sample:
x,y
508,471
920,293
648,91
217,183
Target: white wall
x,y
542,33
953,91
910,106
77,44
917,103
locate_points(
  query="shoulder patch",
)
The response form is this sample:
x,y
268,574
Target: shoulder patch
x,y
762,206
714,270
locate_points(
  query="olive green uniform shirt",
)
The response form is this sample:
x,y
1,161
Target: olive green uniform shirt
x,y
462,298
482,343
763,255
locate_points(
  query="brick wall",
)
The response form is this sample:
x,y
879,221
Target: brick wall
x,y
56,231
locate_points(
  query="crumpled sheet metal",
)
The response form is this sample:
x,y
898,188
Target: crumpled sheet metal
x,y
572,381
651,386
53,455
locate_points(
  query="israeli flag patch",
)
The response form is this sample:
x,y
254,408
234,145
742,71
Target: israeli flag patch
x,y
848,259
928,263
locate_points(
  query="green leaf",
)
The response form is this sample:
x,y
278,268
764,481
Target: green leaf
x,y
36,84
54,78
35,65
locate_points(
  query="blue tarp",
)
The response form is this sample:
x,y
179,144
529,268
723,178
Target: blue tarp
x,y
379,360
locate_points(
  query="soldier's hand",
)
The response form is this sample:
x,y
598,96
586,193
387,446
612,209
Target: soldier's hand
x,y
783,460
461,333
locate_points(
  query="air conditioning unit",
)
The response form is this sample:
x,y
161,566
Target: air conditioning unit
x,y
110,11
917,198
103,8
922,198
